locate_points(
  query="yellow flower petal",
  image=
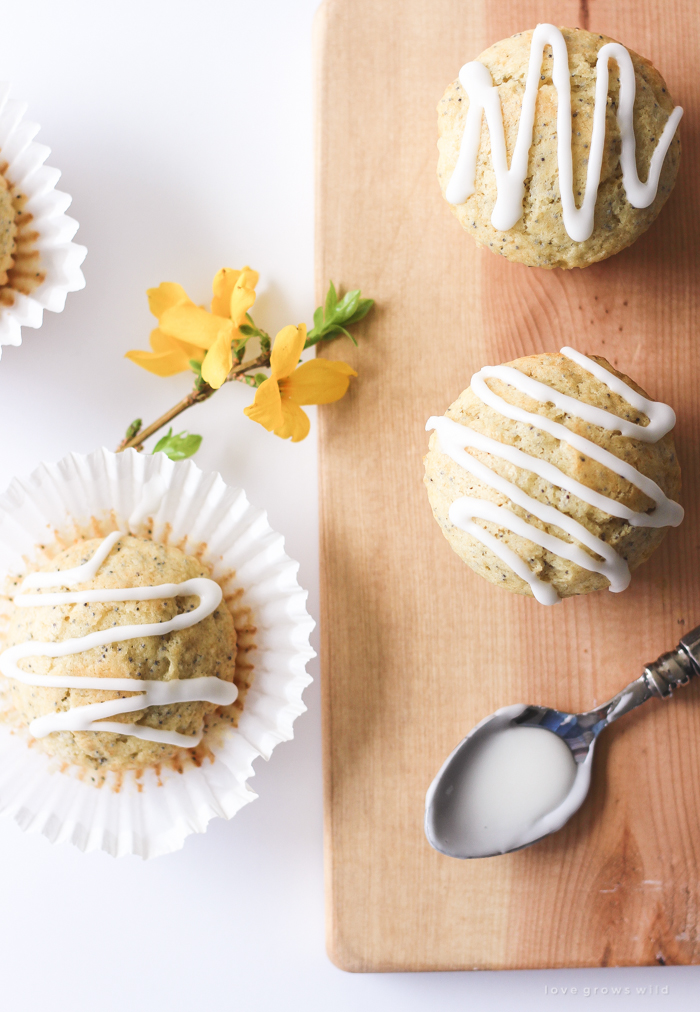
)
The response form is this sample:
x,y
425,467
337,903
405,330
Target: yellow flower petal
x,y
223,286
163,342
286,350
164,363
267,406
194,325
218,360
243,296
296,422
226,283
317,382
166,296
251,277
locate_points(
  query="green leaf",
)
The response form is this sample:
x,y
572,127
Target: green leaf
x,y
334,330
331,301
331,321
196,366
133,429
347,306
239,347
341,330
255,381
363,307
250,330
180,446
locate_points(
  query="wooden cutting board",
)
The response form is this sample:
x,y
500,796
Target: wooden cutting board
x,y
417,648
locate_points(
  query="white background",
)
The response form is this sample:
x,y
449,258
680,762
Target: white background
x,y
184,134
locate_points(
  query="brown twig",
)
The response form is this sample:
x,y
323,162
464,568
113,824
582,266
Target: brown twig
x,y
202,392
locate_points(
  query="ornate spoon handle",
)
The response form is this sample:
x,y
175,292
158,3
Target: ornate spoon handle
x,y
676,667
659,679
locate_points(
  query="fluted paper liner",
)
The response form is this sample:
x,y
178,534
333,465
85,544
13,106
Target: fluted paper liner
x,y
154,815
44,229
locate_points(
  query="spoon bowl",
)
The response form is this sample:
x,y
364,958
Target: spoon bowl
x,y
501,790
467,819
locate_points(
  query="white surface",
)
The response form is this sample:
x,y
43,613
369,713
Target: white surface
x,y
173,122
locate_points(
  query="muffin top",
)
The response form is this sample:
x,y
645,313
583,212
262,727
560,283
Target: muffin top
x,y
554,475
198,642
539,237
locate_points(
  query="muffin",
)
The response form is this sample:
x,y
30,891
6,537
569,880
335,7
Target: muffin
x,y
129,781
554,475
8,232
21,269
205,649
549,213
39,264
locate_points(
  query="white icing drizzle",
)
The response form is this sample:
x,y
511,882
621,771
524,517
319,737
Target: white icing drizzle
x,y
455,437
150,692
510,182
81,574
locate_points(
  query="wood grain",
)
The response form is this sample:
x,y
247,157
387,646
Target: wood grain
x,y
416,648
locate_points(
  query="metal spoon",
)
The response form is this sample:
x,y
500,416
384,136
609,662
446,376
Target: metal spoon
x,y
578,730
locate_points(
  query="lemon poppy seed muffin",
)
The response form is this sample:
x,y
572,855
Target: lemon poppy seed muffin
x,y
554,475
205,649
8,230
540,236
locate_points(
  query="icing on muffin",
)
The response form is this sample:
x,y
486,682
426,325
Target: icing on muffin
x,y
118,650
558,148
554,475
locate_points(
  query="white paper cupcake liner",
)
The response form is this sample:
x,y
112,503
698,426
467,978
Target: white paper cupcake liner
x,y
60,259
155,816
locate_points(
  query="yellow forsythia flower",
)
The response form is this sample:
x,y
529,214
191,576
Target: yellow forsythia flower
x,y
277,400
187,332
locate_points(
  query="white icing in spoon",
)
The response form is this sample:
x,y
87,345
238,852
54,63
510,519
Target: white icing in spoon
x,y
508,783
501,789
510,182
454,437
150,692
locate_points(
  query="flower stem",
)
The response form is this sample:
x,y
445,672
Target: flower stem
x,y
200,393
